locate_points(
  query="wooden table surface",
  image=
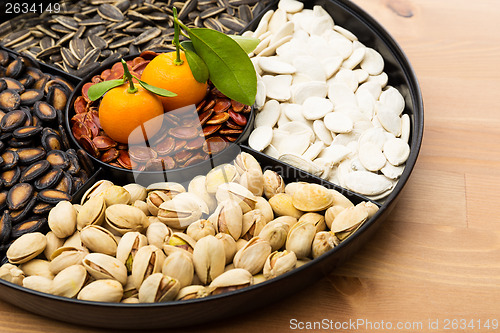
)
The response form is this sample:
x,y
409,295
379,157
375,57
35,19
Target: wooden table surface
x,y
437,258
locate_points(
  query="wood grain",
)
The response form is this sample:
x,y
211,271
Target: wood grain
x,y
438,256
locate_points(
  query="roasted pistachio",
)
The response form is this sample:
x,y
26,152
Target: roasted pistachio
x,y
300,238
273,184
116,195
124,218
323,242
102,266
38,283
179,266
278,263
98,239
233,279
158,288
102,291
209,258
157,233
62,219
128,246
91,212
148,260
26,247
69,281
252,256
200,229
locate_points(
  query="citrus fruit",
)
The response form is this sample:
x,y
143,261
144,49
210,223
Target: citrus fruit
x,y
121,112
162,72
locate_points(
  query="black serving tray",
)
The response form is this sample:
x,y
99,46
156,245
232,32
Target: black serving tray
x,y
197,311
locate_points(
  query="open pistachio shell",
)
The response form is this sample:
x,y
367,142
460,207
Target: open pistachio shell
x,y
124,218
233,279
300,238
275,232
98,239
253,255
273,183
278,263
237,193
180,212
191,292
96,190
102,266
148,260
158,288
53,243
228,218
66,256
128,246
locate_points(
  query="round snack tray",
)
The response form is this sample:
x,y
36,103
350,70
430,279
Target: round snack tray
x,y
196,311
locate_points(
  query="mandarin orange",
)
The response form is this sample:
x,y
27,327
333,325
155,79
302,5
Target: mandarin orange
x,y
121,112
162,72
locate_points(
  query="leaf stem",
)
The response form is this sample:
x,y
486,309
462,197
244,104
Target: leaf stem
x,y
178,61
132,89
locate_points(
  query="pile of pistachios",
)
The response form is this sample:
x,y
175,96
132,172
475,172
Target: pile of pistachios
x,y
235,227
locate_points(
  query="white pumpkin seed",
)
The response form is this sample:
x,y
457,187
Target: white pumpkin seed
x,y
322,133
260,137
291,6
269,114
278,87
316,108
301,91
396,151
275,66
371,156
373,63
405,128
393,99
338,122
391,171
388,119
314,150
367,183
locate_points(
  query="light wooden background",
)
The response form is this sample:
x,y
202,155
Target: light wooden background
x,y
438,256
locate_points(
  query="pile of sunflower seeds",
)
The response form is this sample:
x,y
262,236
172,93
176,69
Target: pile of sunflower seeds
x,y
89,33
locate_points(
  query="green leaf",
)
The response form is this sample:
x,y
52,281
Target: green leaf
x,y
248,44
230,68
197,65
156,90
97,90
